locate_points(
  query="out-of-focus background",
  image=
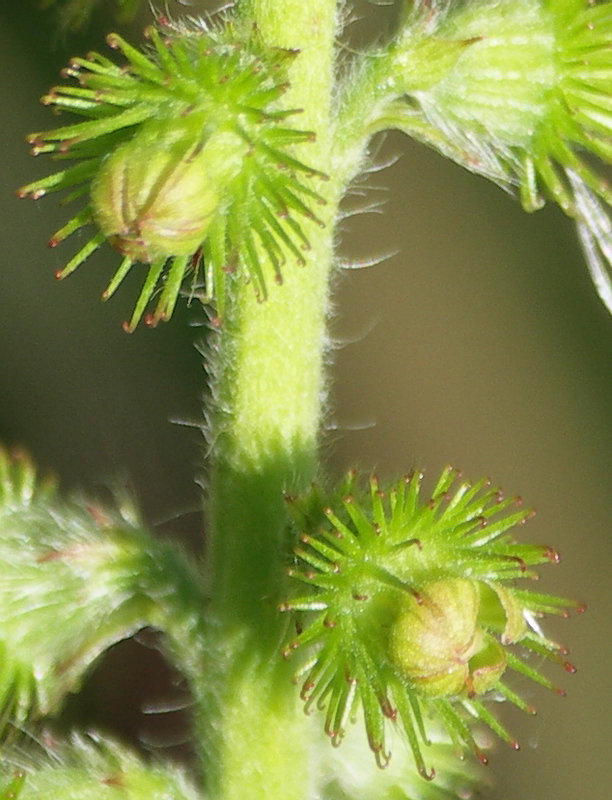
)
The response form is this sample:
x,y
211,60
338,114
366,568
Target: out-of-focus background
x,y
481,343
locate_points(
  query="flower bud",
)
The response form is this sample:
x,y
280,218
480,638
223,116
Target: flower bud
x,y
410,604
188,160
156,195
526,102
437,644
500,86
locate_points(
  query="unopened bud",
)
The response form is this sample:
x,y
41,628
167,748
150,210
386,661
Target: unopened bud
x,y
156,195
437,644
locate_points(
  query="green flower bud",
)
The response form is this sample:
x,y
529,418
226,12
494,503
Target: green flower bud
x,y
437,645
155,196
410,605
74,579
188,160
527,102
499,87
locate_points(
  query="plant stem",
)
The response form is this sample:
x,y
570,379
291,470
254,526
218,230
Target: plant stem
x,y
268,390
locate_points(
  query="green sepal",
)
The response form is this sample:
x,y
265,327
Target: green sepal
x,y
75,578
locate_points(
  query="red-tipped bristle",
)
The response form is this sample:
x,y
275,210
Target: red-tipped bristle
x,y
382,759
552,555
388,710
429,776
307,687
520,562
417,596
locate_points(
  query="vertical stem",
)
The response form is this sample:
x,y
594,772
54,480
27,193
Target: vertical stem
x,y
268,391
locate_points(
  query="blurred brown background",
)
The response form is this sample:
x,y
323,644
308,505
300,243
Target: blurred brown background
x,y
481,344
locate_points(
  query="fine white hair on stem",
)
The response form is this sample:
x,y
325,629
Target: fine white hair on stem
x,y
365,263
350,426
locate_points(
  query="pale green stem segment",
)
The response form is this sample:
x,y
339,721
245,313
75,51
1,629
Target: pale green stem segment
x,y
268,389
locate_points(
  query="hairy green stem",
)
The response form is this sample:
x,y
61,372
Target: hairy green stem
x,y
268,394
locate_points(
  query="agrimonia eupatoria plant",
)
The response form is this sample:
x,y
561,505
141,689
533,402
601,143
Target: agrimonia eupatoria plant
x,y
215,161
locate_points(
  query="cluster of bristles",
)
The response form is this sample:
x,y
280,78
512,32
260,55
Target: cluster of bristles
x,y
395,586
187,161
